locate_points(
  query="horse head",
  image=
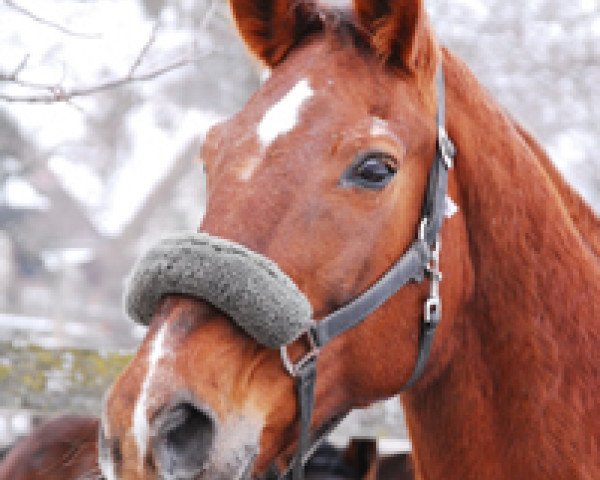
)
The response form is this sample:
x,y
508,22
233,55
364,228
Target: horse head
x,y
323,172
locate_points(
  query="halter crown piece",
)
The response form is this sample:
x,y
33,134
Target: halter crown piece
x,y
267,305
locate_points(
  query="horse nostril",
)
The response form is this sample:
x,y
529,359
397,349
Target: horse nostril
x,y
183,441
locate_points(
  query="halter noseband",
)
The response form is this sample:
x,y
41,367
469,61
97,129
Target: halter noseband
x,y
421,261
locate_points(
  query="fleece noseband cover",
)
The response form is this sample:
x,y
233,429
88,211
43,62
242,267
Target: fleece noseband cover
x,y
247,286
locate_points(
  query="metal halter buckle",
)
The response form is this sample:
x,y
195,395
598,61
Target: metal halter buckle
x,y
294,368
433,305
446,147
422,229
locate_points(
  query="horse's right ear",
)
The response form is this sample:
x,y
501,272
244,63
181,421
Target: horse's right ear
x,y
271,28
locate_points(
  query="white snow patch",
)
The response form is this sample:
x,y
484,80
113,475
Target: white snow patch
x,y
595,27
588,6
78,180
56,259
570,148
282,117
18,193
22,322
451,208
140,424
479,10
11,165
21,423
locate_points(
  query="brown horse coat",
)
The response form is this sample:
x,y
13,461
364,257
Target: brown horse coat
x,y
64,448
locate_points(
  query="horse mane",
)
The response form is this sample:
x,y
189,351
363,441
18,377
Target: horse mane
x,y
582,216
521,380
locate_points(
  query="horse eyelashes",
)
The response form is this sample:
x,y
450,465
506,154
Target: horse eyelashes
x,y
370,170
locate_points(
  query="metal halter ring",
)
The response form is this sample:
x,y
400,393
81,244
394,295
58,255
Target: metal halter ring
x,y
422,229
294,368
446,147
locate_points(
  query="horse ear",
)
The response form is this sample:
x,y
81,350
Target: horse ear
x,y
397,30
271,28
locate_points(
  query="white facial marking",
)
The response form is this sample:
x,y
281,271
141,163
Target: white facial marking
x,y
283,116
140,425
451,208
248,168
380,127
107,467
105,461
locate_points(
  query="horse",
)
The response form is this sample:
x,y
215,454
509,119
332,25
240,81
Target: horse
x,y
63,448
324,172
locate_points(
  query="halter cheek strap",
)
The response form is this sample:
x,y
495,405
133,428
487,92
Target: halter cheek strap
x,y
419,262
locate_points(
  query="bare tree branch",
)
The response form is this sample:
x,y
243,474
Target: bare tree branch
x,y
208,15
49,23
57,93
143,52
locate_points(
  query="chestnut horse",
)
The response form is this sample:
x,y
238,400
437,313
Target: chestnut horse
x,y
512,384
64,448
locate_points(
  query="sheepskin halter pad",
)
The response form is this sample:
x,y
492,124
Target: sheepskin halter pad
x,y
248,287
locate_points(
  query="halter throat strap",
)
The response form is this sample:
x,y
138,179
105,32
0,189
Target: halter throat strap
x,y
421,261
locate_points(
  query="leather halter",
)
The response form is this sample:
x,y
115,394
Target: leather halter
x,y
421,261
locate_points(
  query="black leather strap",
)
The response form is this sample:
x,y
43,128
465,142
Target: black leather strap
x,y
426,336
411,267
414,266
305,390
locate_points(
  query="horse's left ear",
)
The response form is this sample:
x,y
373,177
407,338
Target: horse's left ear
x,y
271,28
397,30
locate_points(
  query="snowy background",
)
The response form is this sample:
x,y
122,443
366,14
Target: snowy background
x,y
85,185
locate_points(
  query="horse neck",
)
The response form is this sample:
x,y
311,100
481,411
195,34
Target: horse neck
x,y
518,398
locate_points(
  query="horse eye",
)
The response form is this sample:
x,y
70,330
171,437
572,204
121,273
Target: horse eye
x,y
371,170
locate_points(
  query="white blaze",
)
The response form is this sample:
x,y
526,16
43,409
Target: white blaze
x,y
451,208
248,167
283,116
107,467
105,461
140,425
